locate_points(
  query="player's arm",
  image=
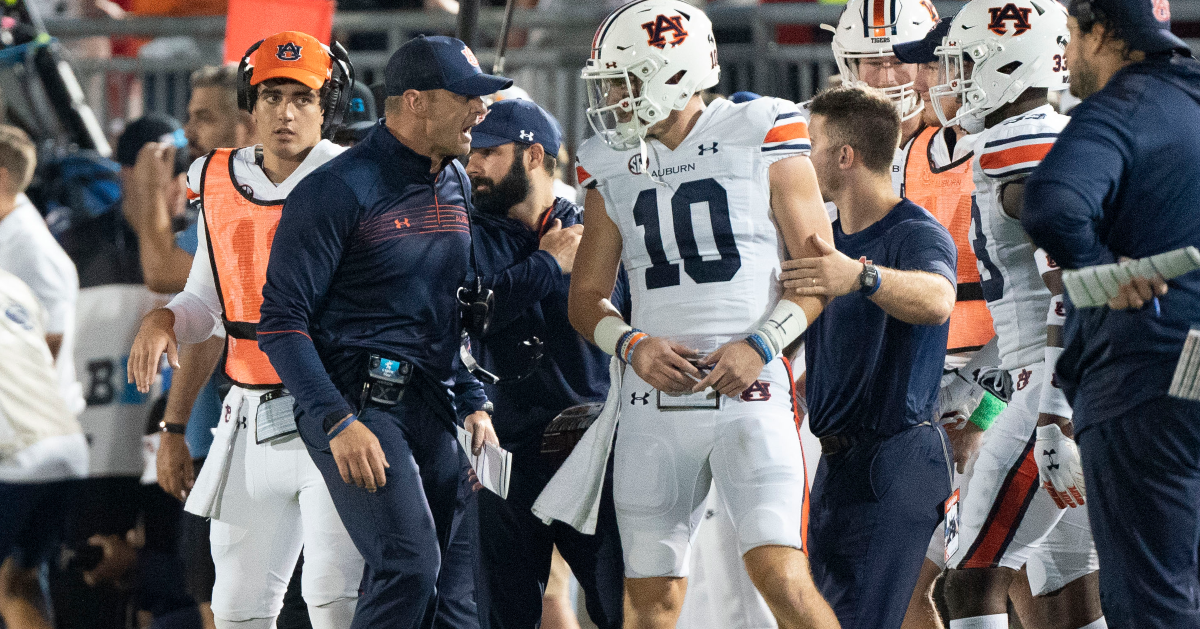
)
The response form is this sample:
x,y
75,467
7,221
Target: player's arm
x,y
923,294
662,364
798,213
164,265
174,460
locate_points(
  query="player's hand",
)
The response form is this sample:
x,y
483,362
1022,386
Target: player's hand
x,y
119,557
965,439
562,244
157,335
479,424
176,475
831,274
735,365
359,457
1059,466
664,365
1137,292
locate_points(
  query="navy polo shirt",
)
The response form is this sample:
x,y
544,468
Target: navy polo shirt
x,y
368,257
869,372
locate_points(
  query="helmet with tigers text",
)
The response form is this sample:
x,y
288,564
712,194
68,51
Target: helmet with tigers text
x,y
866,32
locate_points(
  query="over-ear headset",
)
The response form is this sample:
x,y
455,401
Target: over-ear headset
x,y
336,100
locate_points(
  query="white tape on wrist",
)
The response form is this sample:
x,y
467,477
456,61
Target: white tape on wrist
x,y
1057,315
786,324
1045,263
1053,401
608,332
1093,286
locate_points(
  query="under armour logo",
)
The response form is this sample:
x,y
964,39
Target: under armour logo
x,y
712,148
526,136
1049,454
610,65
635,398
242,422
287,52
402,224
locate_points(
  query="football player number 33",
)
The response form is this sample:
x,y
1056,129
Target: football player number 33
x,y
664,273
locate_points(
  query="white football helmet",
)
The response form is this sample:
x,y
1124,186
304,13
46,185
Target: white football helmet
x,y
1014,45
648,58
869,28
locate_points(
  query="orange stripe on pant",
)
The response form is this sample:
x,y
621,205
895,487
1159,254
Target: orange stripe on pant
x,y
1007,512
799,419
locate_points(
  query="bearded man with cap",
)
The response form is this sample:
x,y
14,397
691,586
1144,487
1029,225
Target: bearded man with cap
x,y
361,318
1121,182
527,239
265,496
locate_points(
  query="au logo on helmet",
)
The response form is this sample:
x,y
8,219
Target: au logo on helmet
x,y
1009,12
287,52
662,25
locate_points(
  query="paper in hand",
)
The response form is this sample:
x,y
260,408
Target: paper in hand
x,y
493,466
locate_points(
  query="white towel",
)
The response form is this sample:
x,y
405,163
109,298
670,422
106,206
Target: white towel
x,y
205,498
573,494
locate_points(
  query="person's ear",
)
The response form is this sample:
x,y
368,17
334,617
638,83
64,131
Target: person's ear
x,y
417,102
535,156
846,157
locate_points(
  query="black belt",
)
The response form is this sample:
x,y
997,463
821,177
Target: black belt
x,y
838,443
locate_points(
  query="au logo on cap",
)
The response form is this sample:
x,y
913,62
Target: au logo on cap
x,y
470,57
287,52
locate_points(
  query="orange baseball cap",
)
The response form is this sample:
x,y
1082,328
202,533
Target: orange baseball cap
x,y
292,55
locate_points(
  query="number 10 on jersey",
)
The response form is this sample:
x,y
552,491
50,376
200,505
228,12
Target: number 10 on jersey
x,y
663,272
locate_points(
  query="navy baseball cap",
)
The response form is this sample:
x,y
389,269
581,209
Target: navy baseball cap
x,y
921,51
517,120
439,62
1144,24
153,127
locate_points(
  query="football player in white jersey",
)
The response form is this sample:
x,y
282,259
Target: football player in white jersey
x,y
701,204
999,62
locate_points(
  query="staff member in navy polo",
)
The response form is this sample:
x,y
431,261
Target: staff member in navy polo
x,y
367,260
527,239
874,360
1122,181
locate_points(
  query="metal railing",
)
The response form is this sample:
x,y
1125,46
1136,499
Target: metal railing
x,y
547,66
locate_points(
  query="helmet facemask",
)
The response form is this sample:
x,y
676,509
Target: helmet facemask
x,y
619,110
908,102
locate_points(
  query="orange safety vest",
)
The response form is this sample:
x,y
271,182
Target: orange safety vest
x,y
240,232
946,193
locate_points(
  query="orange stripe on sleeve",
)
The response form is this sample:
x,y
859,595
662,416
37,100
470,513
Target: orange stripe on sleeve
x,y
581,175
786,132
1015,155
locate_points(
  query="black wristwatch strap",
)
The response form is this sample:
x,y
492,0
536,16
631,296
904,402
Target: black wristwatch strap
x,y
173,428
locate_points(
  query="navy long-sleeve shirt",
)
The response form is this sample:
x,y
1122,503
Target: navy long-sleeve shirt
x,y
1123,179
369,254
531,300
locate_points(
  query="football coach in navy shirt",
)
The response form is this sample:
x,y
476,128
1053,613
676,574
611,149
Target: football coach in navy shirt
x,y
360,319
527,239
1123,181
874,364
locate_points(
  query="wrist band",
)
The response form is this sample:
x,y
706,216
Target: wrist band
x,y
764,351
608,333
636,337
337,430
985,414
172,428
1057,315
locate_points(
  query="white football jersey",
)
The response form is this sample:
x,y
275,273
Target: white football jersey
x,y
1012,286
700,247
